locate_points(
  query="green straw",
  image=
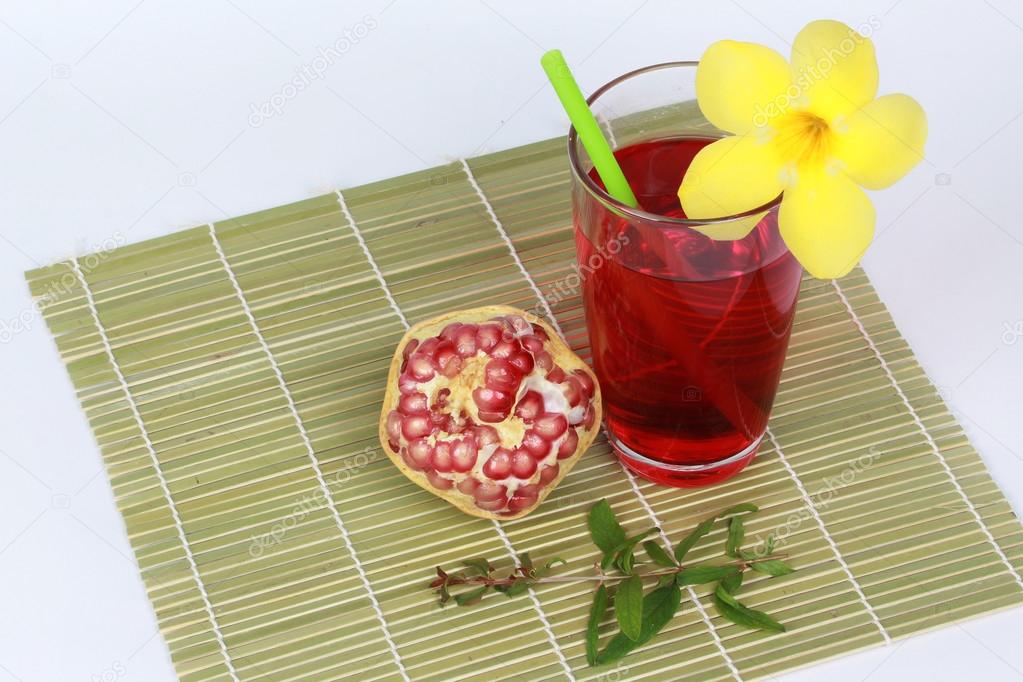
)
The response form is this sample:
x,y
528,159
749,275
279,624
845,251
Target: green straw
x,y
586,126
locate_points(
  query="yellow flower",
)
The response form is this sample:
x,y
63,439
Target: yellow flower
x,y
809,129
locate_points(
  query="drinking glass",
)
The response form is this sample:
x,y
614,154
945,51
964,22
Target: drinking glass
x,y
688,333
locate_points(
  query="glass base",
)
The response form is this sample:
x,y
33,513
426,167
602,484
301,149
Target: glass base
x,y
684,475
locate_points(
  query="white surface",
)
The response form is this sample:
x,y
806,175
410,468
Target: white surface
x,y
135,118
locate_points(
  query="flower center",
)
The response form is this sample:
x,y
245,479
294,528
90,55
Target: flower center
x,y
803,138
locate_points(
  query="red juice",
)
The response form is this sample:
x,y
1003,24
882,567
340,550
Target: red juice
x,y
688,334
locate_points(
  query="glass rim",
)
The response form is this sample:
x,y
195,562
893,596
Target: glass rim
x,y
602,196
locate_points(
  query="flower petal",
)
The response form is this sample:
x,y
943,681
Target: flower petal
x,y
738,84
827,222
732,175
835,67
883,141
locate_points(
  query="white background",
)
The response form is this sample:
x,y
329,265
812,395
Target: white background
x,y
135,118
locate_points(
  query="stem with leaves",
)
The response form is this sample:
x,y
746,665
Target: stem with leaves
x,y
640,616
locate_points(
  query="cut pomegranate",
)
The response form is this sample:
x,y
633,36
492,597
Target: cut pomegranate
x,y
488,410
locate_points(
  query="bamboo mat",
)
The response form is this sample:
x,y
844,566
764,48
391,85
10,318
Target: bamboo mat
x,y
232,376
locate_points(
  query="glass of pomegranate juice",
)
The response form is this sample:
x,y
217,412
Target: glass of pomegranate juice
x,y
688,334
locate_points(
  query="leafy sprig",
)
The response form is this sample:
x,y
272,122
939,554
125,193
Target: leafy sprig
x,y
640,615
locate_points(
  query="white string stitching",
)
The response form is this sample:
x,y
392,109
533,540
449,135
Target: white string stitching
x,y
372,263
632,480
207,605
310,451
926,434
511,247
808,501
509,547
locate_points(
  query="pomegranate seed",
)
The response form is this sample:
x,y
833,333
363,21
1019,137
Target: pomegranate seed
x,y
429,346
551,425
557,375
488,336
441,399
393,445
568,446
537,445
468,485
394,425
519,326
463,454
493,505
493,404
530,407
407,384
498,466
520,502
420,367
505,348
543,361
409,348
415,426
450,330
541,333
419,452
490,491
589,417
531,490
465,340
522,361
549,473
438,481
522,463
501,375
586,381
573,390
531,343
486,435
447,360
442,460
413,403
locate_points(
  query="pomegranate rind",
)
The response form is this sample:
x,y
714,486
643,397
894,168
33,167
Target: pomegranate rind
x,y
563,357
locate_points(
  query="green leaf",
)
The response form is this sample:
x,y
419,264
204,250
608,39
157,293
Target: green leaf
x,y
597,609
732,581
518,587
682,548
607,560
605,530
739,509
629,606
772,567
666,579
625,560
736,533
471,597
525,560
478,566
546,568
697,575
659,607
729,607
769,545
657,554
631,542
